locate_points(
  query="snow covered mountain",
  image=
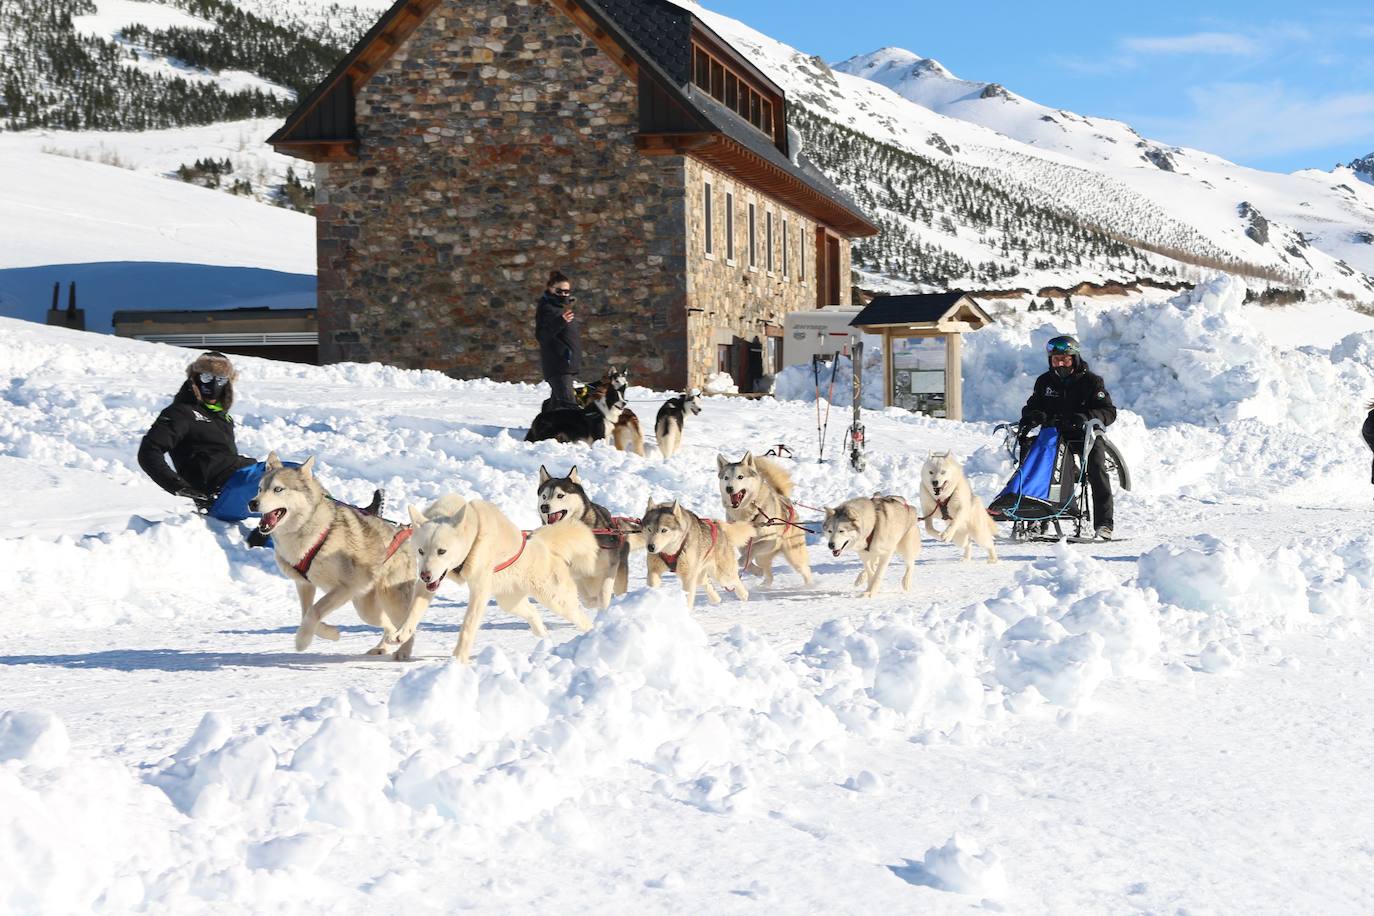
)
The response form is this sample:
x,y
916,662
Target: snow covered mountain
x,y
1311,226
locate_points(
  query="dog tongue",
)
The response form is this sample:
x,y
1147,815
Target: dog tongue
x,y
557,516
736,499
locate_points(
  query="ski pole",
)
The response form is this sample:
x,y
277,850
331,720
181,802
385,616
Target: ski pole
x,y
829,397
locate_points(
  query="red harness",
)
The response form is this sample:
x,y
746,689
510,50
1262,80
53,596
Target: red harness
x,y
524,538
901,499
303,566
941,506
670,559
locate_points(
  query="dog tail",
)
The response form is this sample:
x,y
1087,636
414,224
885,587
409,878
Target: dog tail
x,y
570,541
775,475
737,534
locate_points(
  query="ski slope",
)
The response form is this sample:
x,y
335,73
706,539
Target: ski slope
x,y
1180,720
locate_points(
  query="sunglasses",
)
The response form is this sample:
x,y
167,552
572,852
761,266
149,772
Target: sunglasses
x,y
208,377
563,293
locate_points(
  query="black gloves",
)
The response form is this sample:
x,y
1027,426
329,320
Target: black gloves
x,y
1033,418
202,500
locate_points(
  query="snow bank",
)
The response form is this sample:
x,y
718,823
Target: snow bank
x,y
798,383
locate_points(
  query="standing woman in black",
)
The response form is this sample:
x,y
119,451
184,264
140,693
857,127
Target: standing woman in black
x,y
560,350
1368,432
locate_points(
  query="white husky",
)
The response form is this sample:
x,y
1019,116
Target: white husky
x,y
477,545
945,492
875,527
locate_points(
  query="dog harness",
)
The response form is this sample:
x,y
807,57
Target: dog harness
x,y
524,538
941,506
303,567
901,499
670,559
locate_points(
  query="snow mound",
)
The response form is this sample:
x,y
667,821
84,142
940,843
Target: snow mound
x,y
961,866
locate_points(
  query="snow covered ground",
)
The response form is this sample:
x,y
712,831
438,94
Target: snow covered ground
x,y
1178,721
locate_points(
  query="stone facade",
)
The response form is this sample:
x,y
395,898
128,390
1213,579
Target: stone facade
x,y
496,144
730,299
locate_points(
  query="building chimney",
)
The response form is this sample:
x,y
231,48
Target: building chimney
x,y
72,317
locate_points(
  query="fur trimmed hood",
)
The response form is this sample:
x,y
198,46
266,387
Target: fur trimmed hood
x,y
217,363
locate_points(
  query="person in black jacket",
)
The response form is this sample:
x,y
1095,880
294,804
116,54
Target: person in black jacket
x,y
1368,432
197,433
1067,397
560,350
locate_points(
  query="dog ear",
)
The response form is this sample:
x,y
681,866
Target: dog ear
x,y
677,510
720,462
273,462
417,518
308,466
544,474
829,514
747,460
649,508
572,475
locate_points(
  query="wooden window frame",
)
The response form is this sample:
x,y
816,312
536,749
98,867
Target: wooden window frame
x,y
710,225
768,240
786,264
723,82
729,227
753,238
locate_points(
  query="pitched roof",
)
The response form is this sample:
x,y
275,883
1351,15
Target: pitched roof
x,y
655,36
922,308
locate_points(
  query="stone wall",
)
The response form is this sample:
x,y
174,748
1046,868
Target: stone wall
x,y
728,299
495,145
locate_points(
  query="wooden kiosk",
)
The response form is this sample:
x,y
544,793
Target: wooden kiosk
x,y
928,316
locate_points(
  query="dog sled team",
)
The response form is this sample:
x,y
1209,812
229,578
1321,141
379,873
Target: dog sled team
x,y
578,559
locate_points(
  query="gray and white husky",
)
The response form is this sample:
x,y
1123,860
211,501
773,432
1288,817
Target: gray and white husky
x,y
945,492
671,417
478,546
323,545
563,497
757,491
875,527
697,549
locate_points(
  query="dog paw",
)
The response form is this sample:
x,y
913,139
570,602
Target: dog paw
x,y
303,639
327,631
380,649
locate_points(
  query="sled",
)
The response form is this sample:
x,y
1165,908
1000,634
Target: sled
x,y
1049,488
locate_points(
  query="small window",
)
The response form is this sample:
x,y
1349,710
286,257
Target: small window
x,y
731,90
703,69
710,227
801,261
768,240
753,241
730,226
717,80
766,117
725,359
785,252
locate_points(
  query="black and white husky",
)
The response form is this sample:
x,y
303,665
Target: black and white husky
x,y
671,416
563,497
579,424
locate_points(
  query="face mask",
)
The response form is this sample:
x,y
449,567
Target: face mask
x,y
1062,371
210,386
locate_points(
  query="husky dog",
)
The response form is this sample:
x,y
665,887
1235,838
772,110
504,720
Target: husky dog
x,y
563,497
671,416
325,545
625,433
876,527
575,424
478,546
757,491
945,491
697,549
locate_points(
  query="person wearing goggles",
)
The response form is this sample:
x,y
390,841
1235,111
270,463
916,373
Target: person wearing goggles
x,y
196,432
1068,396
560,348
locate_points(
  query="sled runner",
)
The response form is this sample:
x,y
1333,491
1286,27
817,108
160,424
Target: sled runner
x,y
1049,485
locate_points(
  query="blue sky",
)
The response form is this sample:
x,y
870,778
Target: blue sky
x,y
1267,84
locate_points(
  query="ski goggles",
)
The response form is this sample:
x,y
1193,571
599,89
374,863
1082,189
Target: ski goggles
x,y
1061,346
207,377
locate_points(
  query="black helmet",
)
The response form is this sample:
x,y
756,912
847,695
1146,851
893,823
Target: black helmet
x,y
1061,345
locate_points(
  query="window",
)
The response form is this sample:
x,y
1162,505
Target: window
x,y
785,252
753,244
725,359
710,228
774,354
718,78
768,240
729,226
801,262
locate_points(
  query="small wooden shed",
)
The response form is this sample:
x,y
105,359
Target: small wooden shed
x,y
924,316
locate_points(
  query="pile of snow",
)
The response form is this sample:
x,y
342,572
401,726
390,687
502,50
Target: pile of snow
x,y
798,383
720,383
962,867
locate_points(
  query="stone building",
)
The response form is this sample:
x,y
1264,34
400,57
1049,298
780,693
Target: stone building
x,y
465,148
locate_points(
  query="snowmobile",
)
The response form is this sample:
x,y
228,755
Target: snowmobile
x,y
1049,485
